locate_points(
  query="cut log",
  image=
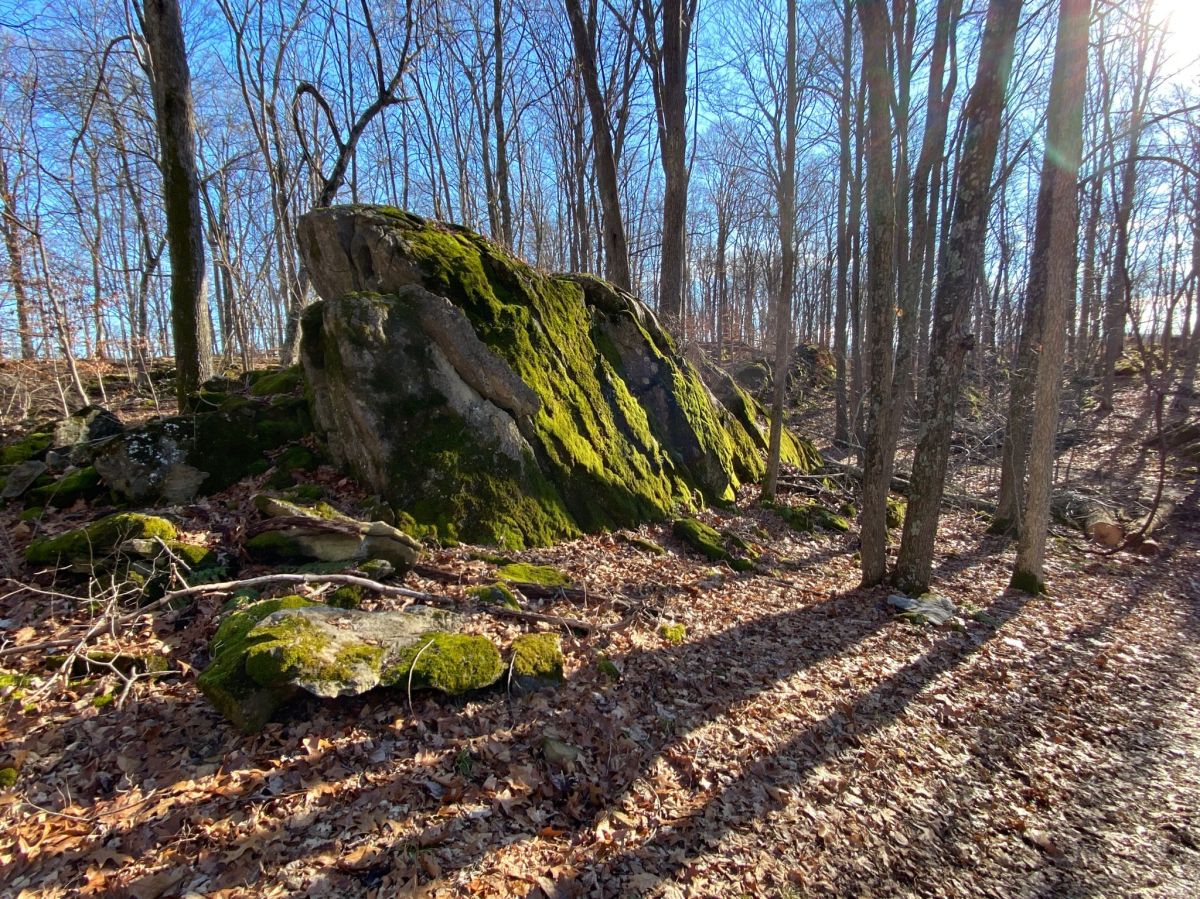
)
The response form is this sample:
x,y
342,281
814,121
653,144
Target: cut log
x,y
1089,515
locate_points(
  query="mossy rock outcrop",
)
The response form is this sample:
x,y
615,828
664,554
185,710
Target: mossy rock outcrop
x,y
175,459
489,402
264,654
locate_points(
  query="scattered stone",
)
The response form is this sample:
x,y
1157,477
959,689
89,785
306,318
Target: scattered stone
x,y
495,594
928,609
559,755
320,533
21,478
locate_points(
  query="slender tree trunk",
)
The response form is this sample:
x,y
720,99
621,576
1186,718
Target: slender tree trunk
x,y
1057,232
786,205
951,339
841,433
175,122
616,247
881,290
502,188
16,262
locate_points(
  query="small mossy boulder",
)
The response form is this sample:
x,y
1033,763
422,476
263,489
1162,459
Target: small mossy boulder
x,y
710,543
98,541
496,594
525,573
896,510
31,446
266,652
537,662
672,632
8,778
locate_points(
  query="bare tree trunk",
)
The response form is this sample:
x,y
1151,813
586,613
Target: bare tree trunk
x,y
16,263
786,205
881,290
841,433
502,188
1056,239
175,122
616,248
951,340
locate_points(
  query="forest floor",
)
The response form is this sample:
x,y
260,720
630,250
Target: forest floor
x,y
799,741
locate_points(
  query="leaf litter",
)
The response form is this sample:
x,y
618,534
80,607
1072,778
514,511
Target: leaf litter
x,y
799,740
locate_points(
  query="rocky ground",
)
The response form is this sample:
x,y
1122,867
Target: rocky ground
x,y
795,739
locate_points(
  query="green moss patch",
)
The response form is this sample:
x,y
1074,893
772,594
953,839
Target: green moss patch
x,y
451,663
272,383
525,573
672,632
537,661
32,446
8,778
83,483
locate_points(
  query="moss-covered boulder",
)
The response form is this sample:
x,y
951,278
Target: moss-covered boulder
x,y
537,662
31,446
86,547
294,533
175,459
714,545
263,654
493,403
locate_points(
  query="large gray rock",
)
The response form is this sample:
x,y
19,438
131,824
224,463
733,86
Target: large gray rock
x,y
491,402
264,654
